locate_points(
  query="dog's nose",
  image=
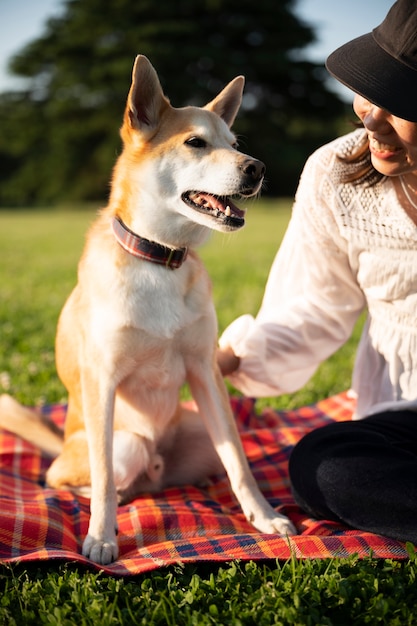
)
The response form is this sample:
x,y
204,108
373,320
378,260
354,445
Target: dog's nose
x,y
253,169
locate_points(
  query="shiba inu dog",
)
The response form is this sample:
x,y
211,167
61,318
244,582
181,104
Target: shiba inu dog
x,y
140,321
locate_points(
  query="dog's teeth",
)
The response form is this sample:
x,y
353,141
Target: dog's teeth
x,y
228,211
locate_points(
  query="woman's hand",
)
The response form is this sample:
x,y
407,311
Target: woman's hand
x,y
227,361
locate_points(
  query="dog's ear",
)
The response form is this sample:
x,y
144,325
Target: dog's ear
x,y
146,100
228,102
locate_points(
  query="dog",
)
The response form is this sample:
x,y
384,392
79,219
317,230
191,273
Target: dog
x,y
141,322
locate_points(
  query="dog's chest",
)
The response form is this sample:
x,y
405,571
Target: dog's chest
x,y
158,301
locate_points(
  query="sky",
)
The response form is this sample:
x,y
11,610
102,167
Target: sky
x,y
334,21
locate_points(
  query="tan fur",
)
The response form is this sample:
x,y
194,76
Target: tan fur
x,y
132,331
31,425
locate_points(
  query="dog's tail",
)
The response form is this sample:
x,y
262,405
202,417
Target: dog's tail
x,y
31,426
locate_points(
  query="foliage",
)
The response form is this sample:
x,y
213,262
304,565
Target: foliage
x,y
61,136
311,592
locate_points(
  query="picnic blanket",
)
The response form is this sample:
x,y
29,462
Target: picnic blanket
x,y
180,524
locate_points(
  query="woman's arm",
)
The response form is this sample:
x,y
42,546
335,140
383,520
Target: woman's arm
x,y
309,309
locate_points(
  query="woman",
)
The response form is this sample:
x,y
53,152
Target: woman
x,y
351,244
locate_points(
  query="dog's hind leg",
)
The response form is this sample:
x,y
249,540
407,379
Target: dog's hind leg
x,y
136,465
71,469
185,455
188,452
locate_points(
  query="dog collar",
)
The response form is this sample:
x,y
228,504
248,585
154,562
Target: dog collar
x,y
147,250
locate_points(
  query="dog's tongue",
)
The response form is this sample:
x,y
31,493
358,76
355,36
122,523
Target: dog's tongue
x,y
223,204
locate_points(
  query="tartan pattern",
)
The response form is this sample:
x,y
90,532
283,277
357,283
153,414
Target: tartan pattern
x,y
180,524
147,250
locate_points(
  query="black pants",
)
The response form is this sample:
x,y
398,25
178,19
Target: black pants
x,y
362,473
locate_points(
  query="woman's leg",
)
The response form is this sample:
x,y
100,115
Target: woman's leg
x,y
362,473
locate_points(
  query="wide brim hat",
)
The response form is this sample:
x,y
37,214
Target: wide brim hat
x,y
381,66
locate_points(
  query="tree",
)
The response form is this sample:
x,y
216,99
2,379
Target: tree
x,y
61,139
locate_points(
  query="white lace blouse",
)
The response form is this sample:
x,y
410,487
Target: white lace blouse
x,y
347,247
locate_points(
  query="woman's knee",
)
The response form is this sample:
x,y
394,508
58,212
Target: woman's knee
x,y
321,468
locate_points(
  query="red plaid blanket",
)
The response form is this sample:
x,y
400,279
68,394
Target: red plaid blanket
x,y
180,525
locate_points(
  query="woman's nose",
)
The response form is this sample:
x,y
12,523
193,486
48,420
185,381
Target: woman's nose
x,y
373,117
376,114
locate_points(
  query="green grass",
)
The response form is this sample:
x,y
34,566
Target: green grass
x,y
39,254
38,265
344,592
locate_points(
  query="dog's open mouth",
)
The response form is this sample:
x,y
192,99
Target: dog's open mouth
x,y
218,207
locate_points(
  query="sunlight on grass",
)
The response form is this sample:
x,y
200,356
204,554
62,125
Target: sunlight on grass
x,y
38,265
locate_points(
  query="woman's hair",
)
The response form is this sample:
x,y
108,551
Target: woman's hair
x,y
359,168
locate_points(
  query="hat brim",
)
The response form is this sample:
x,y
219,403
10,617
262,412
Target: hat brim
x,y
366,68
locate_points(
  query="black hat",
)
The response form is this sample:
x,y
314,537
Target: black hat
x,y
381,66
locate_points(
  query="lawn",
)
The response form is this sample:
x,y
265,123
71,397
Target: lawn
x,y
39,254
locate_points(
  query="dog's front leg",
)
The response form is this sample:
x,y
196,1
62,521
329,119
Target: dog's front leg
x,y
210,393
100,545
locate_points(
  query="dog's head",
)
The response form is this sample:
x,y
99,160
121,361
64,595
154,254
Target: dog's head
x,y
182,161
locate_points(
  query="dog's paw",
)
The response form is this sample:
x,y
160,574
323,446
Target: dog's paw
x,y
274,524
283,526
101,551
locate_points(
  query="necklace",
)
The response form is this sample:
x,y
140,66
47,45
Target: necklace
x,y
405,187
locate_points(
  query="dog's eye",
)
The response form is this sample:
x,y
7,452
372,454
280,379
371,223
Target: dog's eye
x,y
196,142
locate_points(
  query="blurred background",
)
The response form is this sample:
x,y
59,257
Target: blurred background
x,y
66,67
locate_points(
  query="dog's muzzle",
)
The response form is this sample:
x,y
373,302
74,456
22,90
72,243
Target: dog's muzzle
x,y
222,208
254,172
